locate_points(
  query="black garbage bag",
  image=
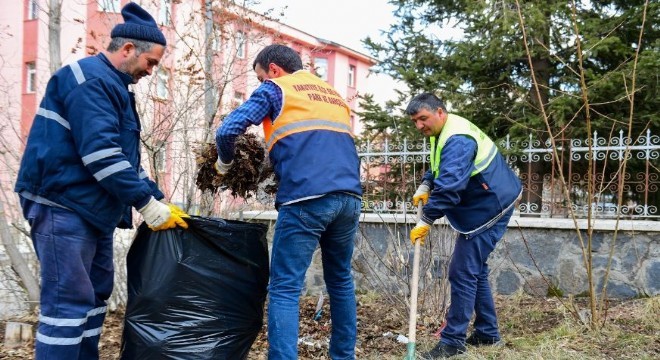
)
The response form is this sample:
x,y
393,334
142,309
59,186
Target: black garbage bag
x,y
197,293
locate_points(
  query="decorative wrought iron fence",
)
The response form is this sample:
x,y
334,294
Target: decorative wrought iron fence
x,y
391,172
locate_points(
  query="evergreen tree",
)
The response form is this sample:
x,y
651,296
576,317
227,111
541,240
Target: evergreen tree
x,y
485,74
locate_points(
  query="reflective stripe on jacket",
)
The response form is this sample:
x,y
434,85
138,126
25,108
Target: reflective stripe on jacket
x,y
310,142
490,191
83,150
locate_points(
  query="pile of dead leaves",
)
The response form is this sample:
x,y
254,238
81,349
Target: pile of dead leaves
x,y
249,174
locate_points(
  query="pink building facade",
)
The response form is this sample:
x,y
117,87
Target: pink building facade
x,y
206,72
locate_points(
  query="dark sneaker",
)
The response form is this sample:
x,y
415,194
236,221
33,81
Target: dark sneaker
x,y
476,340
443,351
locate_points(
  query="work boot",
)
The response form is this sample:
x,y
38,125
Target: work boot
x,y
476,340
443,351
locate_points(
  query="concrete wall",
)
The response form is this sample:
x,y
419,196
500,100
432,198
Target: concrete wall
x,y
535,256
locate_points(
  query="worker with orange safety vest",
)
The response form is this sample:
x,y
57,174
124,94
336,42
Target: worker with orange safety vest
x,y
308,136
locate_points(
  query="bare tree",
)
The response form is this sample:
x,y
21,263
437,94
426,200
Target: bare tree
x,y
596,306
54,32
12,238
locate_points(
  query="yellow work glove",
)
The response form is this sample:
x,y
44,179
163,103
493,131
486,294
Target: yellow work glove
x,y
222,168
422,193
176,218
419,232
178,212
159,216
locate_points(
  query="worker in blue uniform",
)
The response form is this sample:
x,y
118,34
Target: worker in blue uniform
x,y
79,177
470,183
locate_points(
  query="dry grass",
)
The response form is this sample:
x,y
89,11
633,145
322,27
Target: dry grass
x,y
532,328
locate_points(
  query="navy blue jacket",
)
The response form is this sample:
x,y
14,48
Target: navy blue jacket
x,y
470,203
83,151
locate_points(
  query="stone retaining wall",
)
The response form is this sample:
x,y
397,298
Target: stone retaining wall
x,y
538,256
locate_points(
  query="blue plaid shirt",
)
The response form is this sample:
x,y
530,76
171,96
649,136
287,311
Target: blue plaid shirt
x,y
264,102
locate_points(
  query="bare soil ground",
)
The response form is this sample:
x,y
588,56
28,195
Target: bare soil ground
x,y
533,328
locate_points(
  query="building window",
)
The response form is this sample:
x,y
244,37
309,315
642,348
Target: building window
x,y
162,81
351,75
33,10
240,45
321,68
109,5
31,77
165,12
160,156
216,42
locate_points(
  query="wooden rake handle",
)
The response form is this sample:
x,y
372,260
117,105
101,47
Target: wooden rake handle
x,y
412,324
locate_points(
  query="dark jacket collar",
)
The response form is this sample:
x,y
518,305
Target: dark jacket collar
x,y
125,78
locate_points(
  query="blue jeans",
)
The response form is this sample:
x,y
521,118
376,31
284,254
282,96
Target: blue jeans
x,y
76,279
330,221
470,290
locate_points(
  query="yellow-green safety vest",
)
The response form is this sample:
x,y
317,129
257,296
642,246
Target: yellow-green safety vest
x,y
456,125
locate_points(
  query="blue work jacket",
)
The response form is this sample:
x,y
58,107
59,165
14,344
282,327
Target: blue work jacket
x,y
471,203
83,150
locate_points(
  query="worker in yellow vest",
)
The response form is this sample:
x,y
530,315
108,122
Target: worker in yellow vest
x,y
471,184
308,135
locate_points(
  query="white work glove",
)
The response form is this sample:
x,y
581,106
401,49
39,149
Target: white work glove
x,y
155,213
422,193
222,168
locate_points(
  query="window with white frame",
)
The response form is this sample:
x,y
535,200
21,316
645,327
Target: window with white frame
x,y
162,81
240,44
321,68
165,12
160,156
109,5
351,75
216,42
30,77
33,10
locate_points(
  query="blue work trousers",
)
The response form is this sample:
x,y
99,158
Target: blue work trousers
x,y
470,290
330,221
76,280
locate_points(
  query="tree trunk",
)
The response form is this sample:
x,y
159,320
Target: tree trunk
x,y
207,199
17,334
54,31
541,67
18,262
209,101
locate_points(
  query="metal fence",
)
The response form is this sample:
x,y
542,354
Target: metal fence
x,y
390,173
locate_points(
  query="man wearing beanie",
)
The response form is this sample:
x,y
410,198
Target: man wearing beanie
x,y
79,177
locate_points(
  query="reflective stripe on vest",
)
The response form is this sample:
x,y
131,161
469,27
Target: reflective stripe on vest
x,y
308,103
456,125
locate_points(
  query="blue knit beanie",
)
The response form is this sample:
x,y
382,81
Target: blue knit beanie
x,y
138,25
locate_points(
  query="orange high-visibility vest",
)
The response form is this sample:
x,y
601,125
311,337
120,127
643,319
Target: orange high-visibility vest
x,y
308,103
